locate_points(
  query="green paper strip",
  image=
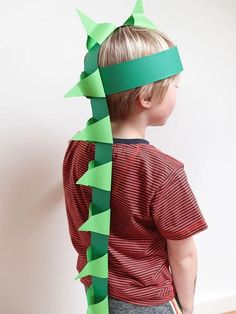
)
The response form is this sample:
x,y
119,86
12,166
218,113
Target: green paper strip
x,y
99,131
97,267
97,32
90,295
98,177
90,86
101,307
98,223
138,18
142,71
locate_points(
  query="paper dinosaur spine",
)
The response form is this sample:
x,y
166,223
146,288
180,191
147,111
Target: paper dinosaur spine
x,y
98,177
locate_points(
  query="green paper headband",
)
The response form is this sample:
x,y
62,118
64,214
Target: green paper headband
x,y
96,83
127,75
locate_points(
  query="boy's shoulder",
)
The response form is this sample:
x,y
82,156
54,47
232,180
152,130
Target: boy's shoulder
x,y
158,154
160,161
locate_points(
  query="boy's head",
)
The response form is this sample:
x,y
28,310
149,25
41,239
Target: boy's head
x,y
128,43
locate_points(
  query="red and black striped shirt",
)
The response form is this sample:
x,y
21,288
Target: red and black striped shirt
x,y
151,201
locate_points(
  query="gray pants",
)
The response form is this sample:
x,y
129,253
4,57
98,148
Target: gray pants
x,y
121,307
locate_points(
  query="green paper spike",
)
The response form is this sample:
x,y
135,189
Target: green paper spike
x,y
97,267
99,131
90,86
138,18
98,223
98,177
138,9
75,91
87,22
97,32
88,256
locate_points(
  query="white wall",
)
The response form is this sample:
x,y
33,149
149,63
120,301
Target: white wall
x,y
42,46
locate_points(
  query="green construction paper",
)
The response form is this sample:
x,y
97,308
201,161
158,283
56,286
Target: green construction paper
x,y
90,295
97,267
99,177
87,22
100,199
101,307
141,71
138,18
97,32
99,108
91,59
90,121
83,75
90,43
99,131
138,9
90,86
89,258
89,253
99,223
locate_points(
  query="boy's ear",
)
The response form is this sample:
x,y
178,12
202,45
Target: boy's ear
x,y
143,101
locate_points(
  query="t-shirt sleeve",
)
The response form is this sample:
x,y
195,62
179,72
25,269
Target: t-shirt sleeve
x,y
175,209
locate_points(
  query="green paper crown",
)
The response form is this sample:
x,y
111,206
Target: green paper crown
x,y
96,83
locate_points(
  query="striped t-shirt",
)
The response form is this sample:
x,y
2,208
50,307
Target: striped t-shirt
x,y
151,201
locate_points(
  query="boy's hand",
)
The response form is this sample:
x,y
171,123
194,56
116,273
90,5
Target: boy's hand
x,y
188,312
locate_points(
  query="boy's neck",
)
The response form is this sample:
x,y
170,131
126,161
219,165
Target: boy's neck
x,y
124,129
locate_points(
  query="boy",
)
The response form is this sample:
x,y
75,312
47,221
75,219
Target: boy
x,y
154,213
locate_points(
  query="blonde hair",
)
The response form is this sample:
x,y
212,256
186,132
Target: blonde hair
x,y
128,43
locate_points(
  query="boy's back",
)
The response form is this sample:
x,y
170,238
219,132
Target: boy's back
x,y
151,201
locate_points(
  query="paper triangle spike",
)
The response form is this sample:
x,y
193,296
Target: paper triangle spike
x,y
138,7
98,177
90,86
99,131
97,33
87,22
138,18
97,267
99,223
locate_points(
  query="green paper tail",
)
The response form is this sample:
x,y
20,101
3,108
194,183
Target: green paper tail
x,y
98,130
98,178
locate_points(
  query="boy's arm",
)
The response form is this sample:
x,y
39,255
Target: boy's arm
x,y
182,256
